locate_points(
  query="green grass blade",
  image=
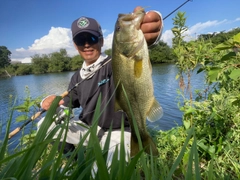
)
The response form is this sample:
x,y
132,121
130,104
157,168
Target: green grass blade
x,y
101,164
180,156
107,144
196,159
134,120
47,121
18,166
114,168
210,173
189,173
30,159
132,165
51,155
122,161
3,148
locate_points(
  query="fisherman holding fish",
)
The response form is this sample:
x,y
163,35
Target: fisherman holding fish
x,y
96,77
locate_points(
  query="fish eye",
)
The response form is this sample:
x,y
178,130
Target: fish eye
x,y
118,28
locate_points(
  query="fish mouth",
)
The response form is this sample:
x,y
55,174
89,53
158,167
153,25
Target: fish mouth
x,y
128,26
129,19
133,20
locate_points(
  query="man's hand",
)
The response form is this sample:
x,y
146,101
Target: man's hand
x,y
151,25
46,103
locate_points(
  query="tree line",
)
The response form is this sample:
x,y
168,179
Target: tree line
x,y
45,63
60,61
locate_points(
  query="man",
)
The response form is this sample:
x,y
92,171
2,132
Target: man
x,y
96,78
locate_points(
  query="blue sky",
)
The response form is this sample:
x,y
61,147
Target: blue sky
x,y
29,27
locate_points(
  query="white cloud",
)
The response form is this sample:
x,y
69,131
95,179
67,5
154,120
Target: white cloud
x,y
167,37
23,60
237,19
56,39
59,37
199,27
108,42
193,31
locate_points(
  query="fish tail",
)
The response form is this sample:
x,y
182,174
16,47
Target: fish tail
x,y
134,147
148,144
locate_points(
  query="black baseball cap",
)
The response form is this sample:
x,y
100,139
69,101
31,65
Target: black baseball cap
x,y
86,24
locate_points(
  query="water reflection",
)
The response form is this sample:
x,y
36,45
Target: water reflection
x,y
38,85
165,90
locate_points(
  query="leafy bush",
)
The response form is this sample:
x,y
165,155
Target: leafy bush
x,y
215,113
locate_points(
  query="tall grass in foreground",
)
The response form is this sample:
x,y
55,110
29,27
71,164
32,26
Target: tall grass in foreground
x,y
42,160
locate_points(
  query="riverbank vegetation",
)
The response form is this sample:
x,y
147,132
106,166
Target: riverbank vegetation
x,y
206,146
60,61
215,112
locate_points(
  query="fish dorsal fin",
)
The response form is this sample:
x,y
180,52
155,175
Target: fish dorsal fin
x,y
155,112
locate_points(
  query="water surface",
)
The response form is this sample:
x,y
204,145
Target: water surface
x,y
165,89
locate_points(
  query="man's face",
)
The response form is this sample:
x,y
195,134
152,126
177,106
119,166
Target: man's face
x,y
88,46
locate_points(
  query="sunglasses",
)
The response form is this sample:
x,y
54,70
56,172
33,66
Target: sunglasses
x,y
82,40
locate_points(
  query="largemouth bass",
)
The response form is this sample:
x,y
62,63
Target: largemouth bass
x,y
132,73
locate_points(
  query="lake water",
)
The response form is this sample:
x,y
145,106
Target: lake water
x,y
165,87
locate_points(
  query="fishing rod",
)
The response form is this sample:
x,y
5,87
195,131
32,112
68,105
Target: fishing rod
x,y
35,116
176,9
15,131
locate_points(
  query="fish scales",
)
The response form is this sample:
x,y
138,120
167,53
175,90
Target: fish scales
x,y
133,71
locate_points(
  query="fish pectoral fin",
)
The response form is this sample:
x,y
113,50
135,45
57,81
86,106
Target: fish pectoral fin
x,y
155,112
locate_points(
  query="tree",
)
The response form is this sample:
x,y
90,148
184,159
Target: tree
x,y
24,69
40,63
183,51
161,53
4,56
108,52
76,62
59,61
218,38
179,28
189,54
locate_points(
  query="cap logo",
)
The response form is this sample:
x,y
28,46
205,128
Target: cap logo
x,y
83,22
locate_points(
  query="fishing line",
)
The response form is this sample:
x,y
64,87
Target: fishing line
x,y
176,9
15,131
